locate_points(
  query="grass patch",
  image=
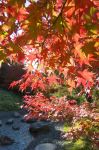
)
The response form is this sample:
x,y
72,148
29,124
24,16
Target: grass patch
x,y
80,144
9,101
63,91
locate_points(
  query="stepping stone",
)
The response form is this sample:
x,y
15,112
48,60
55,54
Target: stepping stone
x,y
5,140
46,146
10,121
16,115
39,127
0,123
15,127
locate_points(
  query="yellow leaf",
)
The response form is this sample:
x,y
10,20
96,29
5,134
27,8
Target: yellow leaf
x,y
96,44
1,61
71,83
5,27
97,53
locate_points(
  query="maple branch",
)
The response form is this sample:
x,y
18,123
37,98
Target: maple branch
x,y
55,21
60,14
43,4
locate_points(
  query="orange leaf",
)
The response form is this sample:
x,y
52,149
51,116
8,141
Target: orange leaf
x,y
86,75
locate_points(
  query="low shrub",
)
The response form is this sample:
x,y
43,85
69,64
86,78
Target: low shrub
x,y
84,128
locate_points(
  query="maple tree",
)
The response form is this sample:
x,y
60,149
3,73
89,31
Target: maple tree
x,y
49,35
54,34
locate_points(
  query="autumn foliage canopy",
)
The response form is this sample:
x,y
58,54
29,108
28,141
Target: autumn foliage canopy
x,y
49,36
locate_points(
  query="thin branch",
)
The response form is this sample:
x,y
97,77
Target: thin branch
x,y
55,21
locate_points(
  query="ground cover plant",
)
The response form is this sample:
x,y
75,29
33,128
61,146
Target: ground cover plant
x,y
58,42
9,101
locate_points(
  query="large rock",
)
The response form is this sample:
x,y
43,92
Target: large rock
x,y
39,127
5,140
46,146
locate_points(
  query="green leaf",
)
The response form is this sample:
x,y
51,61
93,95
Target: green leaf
x,y
92,11
92,28
79,145
87,17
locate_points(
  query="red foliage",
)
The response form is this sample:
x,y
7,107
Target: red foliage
x,y
47,36
53,108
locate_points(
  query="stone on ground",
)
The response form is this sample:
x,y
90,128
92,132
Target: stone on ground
x,y
16,115
15,127
46,146
10,121
5,140
39,127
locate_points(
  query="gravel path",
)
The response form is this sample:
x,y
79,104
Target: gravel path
x,y
26,141
22,137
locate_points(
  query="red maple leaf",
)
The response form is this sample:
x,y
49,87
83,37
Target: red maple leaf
x,y
22,14
87,75
52,79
